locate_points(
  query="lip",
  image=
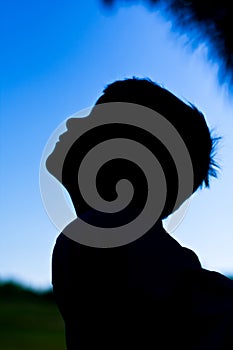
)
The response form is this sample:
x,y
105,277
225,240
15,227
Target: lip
x,y
62,136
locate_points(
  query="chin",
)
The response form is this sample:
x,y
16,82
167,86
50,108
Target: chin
x,y
54,164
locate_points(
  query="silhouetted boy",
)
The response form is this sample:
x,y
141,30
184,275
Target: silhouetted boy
x,y
151,293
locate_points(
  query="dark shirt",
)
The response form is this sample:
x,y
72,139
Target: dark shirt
x,y
149,292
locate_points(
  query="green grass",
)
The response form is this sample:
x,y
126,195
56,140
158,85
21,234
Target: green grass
x,y
29,320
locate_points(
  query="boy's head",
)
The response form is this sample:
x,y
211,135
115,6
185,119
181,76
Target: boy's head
x,y
185,118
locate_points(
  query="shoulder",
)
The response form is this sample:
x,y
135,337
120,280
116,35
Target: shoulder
x,y
214,282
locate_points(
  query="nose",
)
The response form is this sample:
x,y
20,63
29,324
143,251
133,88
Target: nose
x,y
71,122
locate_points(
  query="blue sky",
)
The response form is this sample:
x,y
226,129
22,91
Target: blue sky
x,y
57,58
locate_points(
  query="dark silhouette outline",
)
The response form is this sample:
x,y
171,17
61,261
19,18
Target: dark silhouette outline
x,y
151,293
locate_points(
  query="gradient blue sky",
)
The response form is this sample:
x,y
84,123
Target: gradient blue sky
x,y
56,59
